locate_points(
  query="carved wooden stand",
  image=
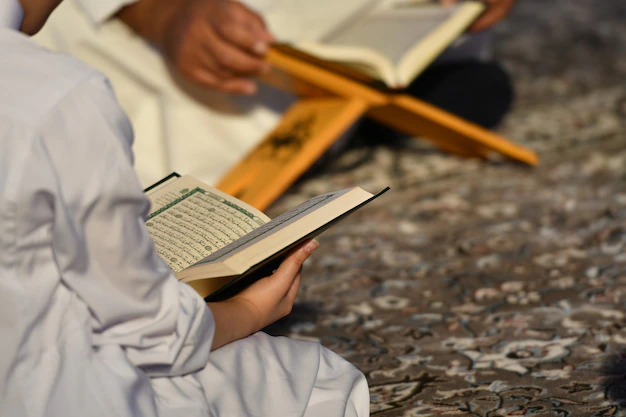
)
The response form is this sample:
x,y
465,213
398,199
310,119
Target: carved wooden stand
x,y
331,103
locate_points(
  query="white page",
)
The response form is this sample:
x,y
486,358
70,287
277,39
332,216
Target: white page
x,y
189,220
391,31
293,21
275,225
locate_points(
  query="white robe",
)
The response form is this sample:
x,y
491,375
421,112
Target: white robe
x,y
92,322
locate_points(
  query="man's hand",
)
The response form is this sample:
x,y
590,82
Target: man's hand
x,y
217,43
496,11
263,302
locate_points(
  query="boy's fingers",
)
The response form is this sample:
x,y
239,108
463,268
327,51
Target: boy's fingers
x,y
293,262
293,289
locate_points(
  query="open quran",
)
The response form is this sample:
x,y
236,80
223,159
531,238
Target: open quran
x,y
219,244
389,41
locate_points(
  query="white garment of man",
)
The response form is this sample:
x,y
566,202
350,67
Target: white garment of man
x,y
179,126
92,322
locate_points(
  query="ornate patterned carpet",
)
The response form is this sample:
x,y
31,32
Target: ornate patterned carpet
x,y
491,289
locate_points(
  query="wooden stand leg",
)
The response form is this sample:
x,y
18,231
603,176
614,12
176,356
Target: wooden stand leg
x,y
447,131
306,131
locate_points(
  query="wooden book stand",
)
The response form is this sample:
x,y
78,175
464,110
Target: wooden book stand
x,y
330,103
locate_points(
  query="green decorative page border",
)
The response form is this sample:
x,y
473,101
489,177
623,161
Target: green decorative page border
x,y
210,195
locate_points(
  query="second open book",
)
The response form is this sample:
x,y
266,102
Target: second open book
x,y
218,244
386,40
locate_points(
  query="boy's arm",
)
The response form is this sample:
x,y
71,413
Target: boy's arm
x,y
263,303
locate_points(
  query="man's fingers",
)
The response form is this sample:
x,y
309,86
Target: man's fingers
x,y
245,38
484,22
230,58
496,11
239,85
204,77
242,86
245,29
257,26
481,24
207,63
209,73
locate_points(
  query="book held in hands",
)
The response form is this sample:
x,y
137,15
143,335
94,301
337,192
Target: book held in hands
x,y
219,244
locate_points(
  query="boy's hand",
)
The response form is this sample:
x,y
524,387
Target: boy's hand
x,y
217,43
262,303
496,11
271,298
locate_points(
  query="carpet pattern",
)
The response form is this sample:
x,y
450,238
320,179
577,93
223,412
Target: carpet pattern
x,y
489,288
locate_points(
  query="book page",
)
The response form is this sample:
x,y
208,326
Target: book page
x,y
435,43
190,220
391,30
396,40
275,225
293,21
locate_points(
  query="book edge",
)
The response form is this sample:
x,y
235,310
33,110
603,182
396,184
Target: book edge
x,y
420,56
162,181
274,260
424,52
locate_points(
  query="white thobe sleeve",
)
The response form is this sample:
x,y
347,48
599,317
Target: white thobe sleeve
x,y
99,11
104,251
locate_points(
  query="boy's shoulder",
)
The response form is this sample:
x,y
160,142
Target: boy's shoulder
x,y
34,80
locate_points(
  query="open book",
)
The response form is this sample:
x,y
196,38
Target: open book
x,y
219,244
387,40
